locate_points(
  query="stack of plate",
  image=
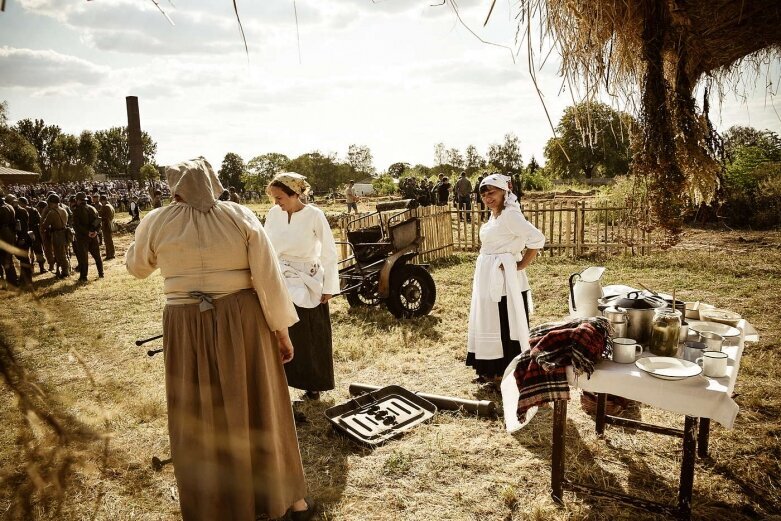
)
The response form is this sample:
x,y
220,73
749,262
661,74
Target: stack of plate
x,y
668,367
721,316
731,334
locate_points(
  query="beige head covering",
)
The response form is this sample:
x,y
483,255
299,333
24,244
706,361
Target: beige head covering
x,y
195,182
292,180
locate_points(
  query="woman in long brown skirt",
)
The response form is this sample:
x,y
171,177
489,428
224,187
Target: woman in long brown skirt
x,y
225,337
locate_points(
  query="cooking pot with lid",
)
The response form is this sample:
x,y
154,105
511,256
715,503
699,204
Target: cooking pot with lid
x,y
639,308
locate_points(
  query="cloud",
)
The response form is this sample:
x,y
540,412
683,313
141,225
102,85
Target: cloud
x,y
46,68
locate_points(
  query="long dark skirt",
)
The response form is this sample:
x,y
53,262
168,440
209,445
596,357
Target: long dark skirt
x,y
312,367
510,348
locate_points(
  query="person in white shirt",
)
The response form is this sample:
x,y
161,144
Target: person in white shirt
x,y
501,297
351,198
306,252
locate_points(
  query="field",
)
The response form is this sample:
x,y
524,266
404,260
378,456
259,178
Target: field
x,y
100,399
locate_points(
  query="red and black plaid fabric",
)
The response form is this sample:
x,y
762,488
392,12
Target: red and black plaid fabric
x,y
541,374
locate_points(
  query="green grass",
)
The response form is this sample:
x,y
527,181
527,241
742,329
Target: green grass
x,y
75,345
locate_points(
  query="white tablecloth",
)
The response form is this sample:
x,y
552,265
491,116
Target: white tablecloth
x,y
698,396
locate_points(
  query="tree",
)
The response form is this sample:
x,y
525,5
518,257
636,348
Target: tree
x,y
42,137
473,161
396,170
149,172
421,171
593,139
737,137
360,159
455,159
261,169
65,159
113,155
440,154
533,166
232,171
17,152
506,157
322,171
3,114
751,165
384,185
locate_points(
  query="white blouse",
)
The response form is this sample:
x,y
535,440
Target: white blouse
x,y
306,237
503,240
510,233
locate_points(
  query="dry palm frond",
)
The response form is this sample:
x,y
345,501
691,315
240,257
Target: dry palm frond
x,y
653,53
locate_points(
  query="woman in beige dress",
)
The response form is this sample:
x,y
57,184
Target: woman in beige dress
x,y
225,338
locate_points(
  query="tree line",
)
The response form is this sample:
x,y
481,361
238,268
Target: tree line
x,y
34,146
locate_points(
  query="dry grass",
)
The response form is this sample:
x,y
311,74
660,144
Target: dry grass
x,y
457,467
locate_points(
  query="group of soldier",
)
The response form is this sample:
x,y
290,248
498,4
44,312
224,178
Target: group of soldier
x,y
46,230
123,195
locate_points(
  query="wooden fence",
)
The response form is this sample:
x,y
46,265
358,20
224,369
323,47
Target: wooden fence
x,y
571,228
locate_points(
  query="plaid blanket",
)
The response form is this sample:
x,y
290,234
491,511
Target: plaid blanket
x,y
541,374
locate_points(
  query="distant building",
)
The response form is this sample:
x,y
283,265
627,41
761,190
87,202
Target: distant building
x,y
364,187
12,176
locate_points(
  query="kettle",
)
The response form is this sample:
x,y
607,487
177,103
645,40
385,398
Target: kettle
x,y
584,291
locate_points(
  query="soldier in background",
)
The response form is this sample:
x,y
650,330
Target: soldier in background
x,y
157,200
54,224
22,241
106,212
86,222
8,235
35,227
46,239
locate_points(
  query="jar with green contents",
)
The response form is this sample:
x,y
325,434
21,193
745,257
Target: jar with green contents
x,y
665,332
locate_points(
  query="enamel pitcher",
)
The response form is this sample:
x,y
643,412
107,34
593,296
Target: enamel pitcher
x,y
584,292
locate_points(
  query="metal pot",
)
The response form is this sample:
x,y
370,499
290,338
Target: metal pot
x,y
639,310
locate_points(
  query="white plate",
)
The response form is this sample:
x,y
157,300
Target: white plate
x,y
668,368
714,327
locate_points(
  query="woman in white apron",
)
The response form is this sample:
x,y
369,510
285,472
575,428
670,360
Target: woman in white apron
x,y
306,251
501,297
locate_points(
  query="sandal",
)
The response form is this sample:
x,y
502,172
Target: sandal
x,y
304,515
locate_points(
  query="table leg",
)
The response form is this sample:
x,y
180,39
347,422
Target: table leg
x,y
687,468
557,458
703,436
601,411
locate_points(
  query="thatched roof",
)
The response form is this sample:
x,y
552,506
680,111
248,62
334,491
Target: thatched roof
x,y
654,53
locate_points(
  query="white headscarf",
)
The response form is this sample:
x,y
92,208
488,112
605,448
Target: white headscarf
x,y
502,182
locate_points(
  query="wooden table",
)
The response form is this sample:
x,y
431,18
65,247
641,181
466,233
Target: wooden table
x,y
706,399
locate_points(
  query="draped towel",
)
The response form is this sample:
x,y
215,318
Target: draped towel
x,y
487,290
304,281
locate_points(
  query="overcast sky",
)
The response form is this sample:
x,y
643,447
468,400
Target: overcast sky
x,y
396,75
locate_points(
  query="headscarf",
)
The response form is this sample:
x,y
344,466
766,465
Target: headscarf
x,y
195,182
292,180
502,182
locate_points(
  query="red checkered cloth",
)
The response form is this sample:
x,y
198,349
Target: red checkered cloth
x,y
541,374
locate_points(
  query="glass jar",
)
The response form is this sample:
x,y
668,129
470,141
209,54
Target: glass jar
x,y
665,332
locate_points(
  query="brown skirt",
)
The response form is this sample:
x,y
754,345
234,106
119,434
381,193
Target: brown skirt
x,y
233,439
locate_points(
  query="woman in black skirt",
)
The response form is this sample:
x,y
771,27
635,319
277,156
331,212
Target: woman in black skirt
x,y
501,298
306,251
